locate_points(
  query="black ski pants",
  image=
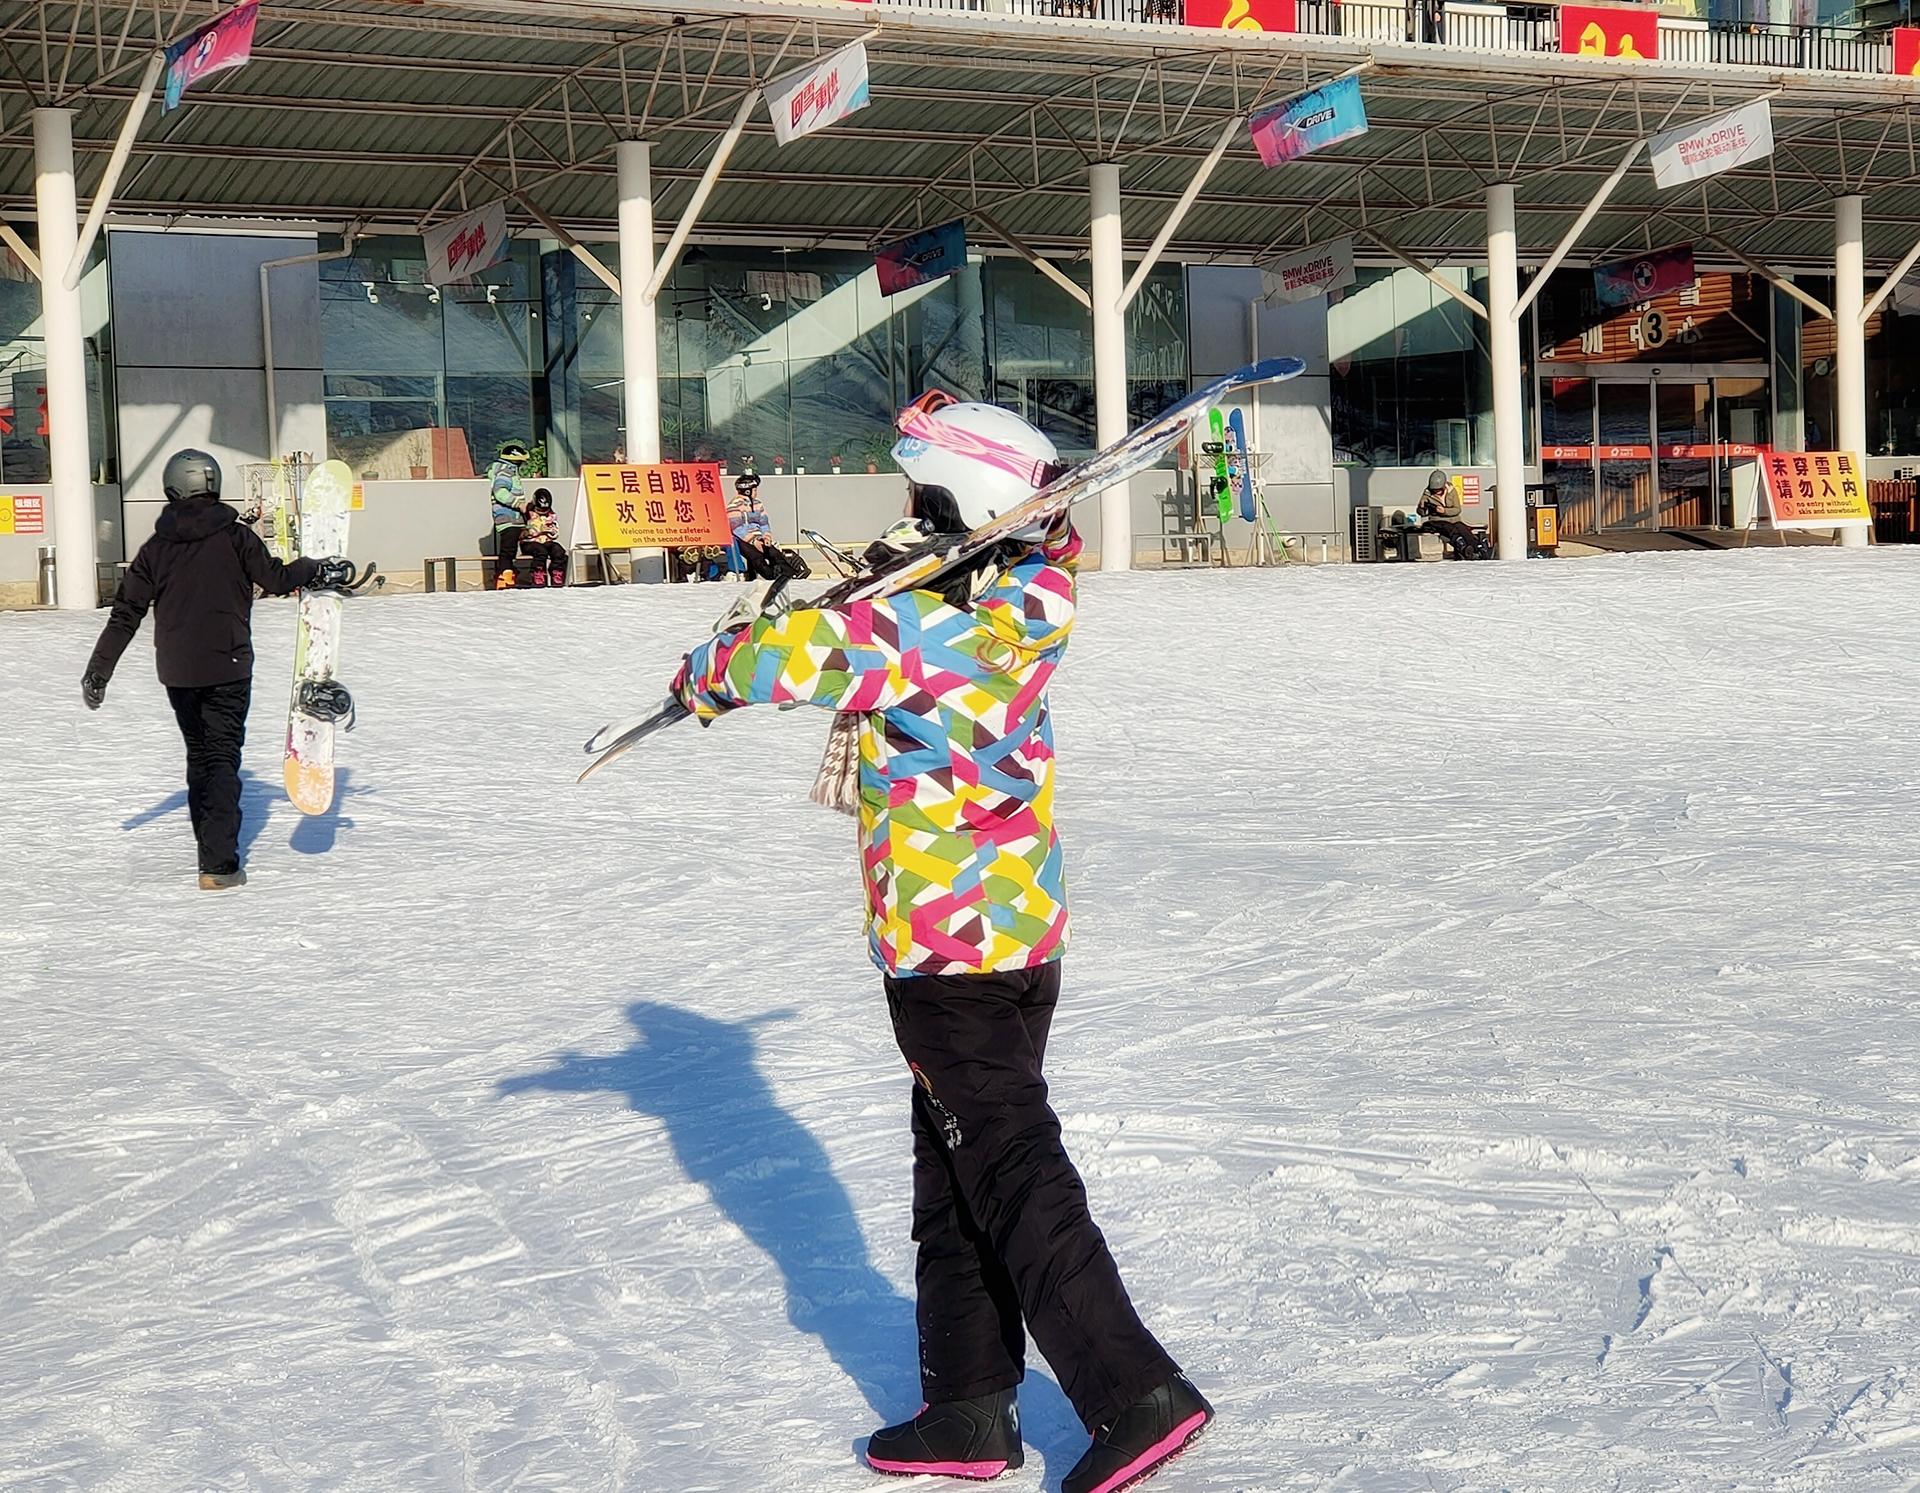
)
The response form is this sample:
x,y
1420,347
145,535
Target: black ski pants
x,y
213,720
999,1213
545,553
1464,543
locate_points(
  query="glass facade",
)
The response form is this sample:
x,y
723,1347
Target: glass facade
x,y
1893,373
427,380
1412,378
793,360
23,372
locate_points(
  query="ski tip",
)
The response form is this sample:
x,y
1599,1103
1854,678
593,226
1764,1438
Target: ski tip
x,y
1271,370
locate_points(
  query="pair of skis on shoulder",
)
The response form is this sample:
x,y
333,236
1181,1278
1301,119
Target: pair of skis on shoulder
x,y
935,563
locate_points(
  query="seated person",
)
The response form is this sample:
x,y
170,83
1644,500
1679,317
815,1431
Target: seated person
x,y
1440,508
753,536
540,541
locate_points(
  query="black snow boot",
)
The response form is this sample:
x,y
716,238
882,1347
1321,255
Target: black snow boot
x,y
977,1438
1141,1439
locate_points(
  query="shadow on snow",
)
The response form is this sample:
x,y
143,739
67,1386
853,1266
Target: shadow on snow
x,y
767,1173
311,835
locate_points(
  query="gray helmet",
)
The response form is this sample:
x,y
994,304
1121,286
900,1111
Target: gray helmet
x,y
191,474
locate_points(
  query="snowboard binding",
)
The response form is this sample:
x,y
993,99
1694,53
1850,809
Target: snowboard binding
x,y
326,700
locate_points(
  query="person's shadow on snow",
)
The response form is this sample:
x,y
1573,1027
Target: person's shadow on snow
x,y
769,1175
258,796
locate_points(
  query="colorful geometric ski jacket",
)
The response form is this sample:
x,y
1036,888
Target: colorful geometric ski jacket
x,y
961,861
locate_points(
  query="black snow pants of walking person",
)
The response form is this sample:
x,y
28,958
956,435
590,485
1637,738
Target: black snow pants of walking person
x,y
999,1213
213,719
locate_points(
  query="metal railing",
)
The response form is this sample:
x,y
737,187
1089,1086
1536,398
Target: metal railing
x,y
1517,28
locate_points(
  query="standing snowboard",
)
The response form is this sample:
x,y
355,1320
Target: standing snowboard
x,y
318,701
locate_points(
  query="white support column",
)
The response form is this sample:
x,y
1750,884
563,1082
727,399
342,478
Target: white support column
x,y
75,546
1110,360
639,338
1509,409
1850,336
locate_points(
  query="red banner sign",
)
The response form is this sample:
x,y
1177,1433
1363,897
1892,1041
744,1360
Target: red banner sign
x,y
1243,15
1609,31
1906,51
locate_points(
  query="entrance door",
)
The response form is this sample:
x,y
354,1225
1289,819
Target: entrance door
x,y
1624,498
1688,496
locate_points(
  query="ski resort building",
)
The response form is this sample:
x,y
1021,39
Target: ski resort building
x,y
1618,252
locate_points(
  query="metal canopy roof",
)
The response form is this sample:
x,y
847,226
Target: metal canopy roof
x,y
395,115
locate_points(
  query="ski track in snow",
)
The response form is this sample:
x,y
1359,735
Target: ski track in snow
x,y
1489,1039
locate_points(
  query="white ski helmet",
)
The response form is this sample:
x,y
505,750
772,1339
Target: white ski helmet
x,y
988,458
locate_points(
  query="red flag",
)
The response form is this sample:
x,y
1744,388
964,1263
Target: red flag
x,y
1242,15
1906,51
1609,31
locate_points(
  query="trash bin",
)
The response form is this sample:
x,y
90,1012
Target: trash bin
x,y
49,593
1543,519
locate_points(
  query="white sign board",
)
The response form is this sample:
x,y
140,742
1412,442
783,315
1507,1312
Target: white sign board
x,y
461,247
819,94
1698,151
1309,273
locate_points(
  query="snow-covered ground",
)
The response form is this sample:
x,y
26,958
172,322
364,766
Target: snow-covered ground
x,y
1491,1041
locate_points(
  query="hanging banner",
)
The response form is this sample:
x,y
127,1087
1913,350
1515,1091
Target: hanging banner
x,y
1816,489
1627,282
462,247
1309,121
1906,51
1311,272
1696,151
922,258
663,506
1609,31
225,41
819,94
1243,15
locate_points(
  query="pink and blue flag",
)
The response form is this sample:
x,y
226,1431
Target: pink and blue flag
x,y
1309,121
225,41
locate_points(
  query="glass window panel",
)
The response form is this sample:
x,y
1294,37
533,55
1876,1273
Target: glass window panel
x,y
1684,412
1625,497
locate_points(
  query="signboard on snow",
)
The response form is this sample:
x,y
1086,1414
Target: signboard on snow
x,y
665,506
1815,489
225,41
817,95
25,513
1696,151
1309,273
1308,122
462,247
1610,31
922,258
1627,282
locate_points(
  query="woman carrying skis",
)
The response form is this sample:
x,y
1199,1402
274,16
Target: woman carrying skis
x,y
967,919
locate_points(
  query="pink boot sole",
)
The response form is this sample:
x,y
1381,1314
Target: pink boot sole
x,y
1155,1456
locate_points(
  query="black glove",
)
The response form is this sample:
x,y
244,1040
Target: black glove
x,y
335,573
93,689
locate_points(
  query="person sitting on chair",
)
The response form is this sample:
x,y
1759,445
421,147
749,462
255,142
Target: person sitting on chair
x,y
541,541
1440,507
753,532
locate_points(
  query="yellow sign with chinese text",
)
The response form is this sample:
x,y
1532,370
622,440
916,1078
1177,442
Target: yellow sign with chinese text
x,y
664,506
1816,489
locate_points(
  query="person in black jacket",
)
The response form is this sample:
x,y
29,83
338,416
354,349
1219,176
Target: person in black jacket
x,y
197,573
